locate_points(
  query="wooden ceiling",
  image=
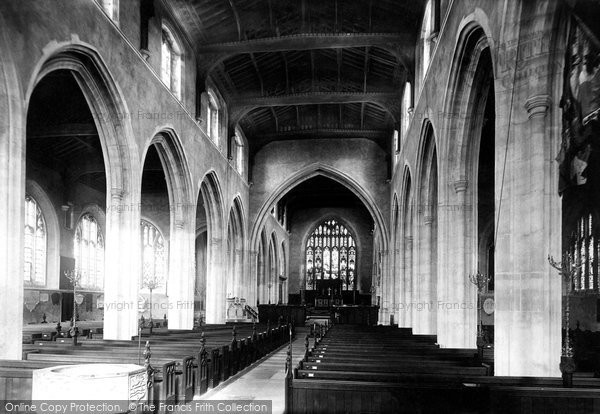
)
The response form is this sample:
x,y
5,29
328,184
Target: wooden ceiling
x,y
293,69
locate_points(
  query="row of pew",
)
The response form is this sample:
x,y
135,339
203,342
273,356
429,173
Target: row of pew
x,y
356,369
179,364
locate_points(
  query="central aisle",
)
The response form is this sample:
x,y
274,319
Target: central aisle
x,y
263,381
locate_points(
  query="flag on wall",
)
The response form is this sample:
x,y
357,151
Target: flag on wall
x,y
580,105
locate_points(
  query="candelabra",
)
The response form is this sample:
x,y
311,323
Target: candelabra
x,y
74,276
480,281
151,282
567,268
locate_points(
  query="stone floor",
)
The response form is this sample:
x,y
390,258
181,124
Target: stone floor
x,y
263,380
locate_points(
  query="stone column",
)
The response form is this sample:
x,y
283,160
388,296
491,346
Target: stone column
x,y
408,283
181,277
387,283
527,291
122,266
251,284
456,305
12,205
425,300
215,282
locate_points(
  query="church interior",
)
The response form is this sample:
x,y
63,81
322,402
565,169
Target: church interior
x,y
337,206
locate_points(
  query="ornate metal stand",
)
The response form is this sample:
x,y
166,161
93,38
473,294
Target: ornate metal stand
x,y
567,268
480,281
74,277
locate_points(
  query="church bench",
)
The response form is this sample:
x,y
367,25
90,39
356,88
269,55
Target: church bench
x,y
456,378
533,400
417,367
349,350
333,357
321,396
15,383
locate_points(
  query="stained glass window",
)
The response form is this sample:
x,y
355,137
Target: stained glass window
x,y
154,257
35,244
89,253
584,250
331,254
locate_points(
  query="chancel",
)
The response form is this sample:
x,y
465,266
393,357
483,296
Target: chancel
x,y
338,206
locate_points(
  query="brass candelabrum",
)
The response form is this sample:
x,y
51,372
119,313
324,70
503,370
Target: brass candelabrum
x,y
480,281
151,282
567,268
74,276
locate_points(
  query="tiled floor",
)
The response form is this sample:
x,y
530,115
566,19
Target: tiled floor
x,y
265,380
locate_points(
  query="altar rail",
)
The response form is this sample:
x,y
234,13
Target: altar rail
x,y
354,315
295,314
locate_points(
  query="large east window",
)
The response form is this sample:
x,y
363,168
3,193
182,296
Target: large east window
x,y
36,241
331,254
154,257
89,253
171,62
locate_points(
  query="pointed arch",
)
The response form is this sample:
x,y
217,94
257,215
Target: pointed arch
x,y
307,173
119,150
210,190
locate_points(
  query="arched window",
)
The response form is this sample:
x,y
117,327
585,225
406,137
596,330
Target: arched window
x,y
212,118
426,36
89,253
35,244
154,257
406,110
331,254
111,7
238,153
171,62
585,249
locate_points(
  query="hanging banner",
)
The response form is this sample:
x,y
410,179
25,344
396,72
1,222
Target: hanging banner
x,y
580,103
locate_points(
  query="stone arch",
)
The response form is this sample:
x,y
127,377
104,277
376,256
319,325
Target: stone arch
x,y
404,287
181,226
426,239
211,193
470,80
235,250
272,259
119,150
329,172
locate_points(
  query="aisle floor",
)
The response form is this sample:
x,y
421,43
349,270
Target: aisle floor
x,y
265,380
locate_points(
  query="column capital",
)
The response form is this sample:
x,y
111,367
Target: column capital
x,y
460,186
179,224
427,220
537,105
116,194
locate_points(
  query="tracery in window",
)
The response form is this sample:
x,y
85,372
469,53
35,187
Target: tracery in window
x,y
585,249
36,242
154,257
89,253
171,62
331,254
